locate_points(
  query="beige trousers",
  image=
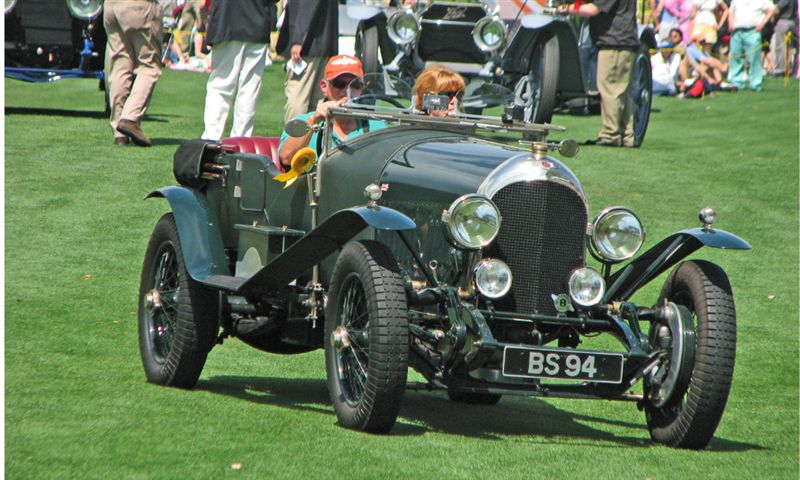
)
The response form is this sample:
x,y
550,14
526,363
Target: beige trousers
x,y
614,80
134,48
302,91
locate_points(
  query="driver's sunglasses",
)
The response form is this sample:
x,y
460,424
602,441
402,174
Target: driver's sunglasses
x,y
342,83
449,94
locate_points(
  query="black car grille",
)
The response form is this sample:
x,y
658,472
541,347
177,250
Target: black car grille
x,y
542,239
450,43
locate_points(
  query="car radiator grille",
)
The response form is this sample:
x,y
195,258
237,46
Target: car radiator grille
x,y
542,239
453,42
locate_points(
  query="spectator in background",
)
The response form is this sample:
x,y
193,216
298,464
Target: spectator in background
x,y
704,22
193,17
787,13
134,30
308,36
676,14
746,19
238,31
613,28
439,80
666,64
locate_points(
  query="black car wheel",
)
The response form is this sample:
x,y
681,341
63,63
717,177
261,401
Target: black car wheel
x,y
366,331
537,90
474,398
690,417
367,47
177,315
642,92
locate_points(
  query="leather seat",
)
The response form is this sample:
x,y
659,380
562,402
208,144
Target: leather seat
x,y
261,145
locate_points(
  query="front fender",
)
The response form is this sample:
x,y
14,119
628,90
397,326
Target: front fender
x,y
668,252
198,231
314,247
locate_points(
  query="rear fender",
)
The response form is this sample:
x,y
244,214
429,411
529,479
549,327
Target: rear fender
x,y
198,231
314,247
668,252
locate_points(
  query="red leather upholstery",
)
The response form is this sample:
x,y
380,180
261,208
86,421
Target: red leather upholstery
x,y
261,145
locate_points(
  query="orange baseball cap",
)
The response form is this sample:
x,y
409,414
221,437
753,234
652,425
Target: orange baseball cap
x,y
341,64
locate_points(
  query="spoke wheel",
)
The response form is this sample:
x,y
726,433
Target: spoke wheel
x,y
177,323
536,91
642,92
366,327
690,418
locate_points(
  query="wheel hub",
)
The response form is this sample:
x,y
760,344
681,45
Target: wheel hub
x,y
340,338
670,379
152,301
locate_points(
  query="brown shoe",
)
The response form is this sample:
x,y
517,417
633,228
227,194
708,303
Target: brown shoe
x,y
121,140
132,130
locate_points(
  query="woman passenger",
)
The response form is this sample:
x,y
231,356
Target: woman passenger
x,y
439,80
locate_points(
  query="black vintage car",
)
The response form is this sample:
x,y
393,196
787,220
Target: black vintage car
x,y
432,245
49,40
547,59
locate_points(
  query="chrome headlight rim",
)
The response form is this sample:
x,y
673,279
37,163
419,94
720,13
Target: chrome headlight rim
x,y
573,290
599,246
391,27
81,14
481,267
479,29
450,221
10,4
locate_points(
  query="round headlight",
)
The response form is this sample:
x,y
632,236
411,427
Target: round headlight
x,y
10,5
617,234
586,286
85,9
489,33
472,221
402,28
493,278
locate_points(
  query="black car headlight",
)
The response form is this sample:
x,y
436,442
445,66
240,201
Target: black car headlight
x,y
85,9
493,277
489,33
586,286
472,221
402,27
617,234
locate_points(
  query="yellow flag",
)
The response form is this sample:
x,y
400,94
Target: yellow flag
x,y
302,161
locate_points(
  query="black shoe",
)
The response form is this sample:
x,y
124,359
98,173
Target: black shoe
x,y
132,130
601,143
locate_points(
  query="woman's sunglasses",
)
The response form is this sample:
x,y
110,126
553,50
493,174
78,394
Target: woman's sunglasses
x,y
342,83
459,94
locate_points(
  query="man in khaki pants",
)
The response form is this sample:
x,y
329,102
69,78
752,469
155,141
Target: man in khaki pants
x,y
612,25
134,46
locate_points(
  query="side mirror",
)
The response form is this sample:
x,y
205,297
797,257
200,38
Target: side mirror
x,y
568,148
297,128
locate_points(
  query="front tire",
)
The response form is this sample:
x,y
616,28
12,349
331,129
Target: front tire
x,y
367,47
366,332
537,90
690,419
177,315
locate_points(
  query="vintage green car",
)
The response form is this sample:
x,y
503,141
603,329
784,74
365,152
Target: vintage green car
x,y
434,245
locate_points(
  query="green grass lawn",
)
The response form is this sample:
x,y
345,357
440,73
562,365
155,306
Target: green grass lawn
x,y
77,404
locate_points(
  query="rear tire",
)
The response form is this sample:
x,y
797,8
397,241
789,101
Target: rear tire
x,y
177,315
367,47
642,92
689,421
366,338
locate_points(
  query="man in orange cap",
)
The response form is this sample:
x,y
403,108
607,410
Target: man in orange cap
x,y
342,73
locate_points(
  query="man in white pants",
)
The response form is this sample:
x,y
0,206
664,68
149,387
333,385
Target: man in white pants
x,y
238,31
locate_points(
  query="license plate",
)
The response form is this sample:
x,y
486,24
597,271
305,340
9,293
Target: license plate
x,y
563,363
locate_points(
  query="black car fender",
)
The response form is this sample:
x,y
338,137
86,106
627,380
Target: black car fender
x,y
668,252
198,231
520,49
313,247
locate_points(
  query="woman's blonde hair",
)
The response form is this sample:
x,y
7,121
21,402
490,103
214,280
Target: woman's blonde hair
x,y
435,79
